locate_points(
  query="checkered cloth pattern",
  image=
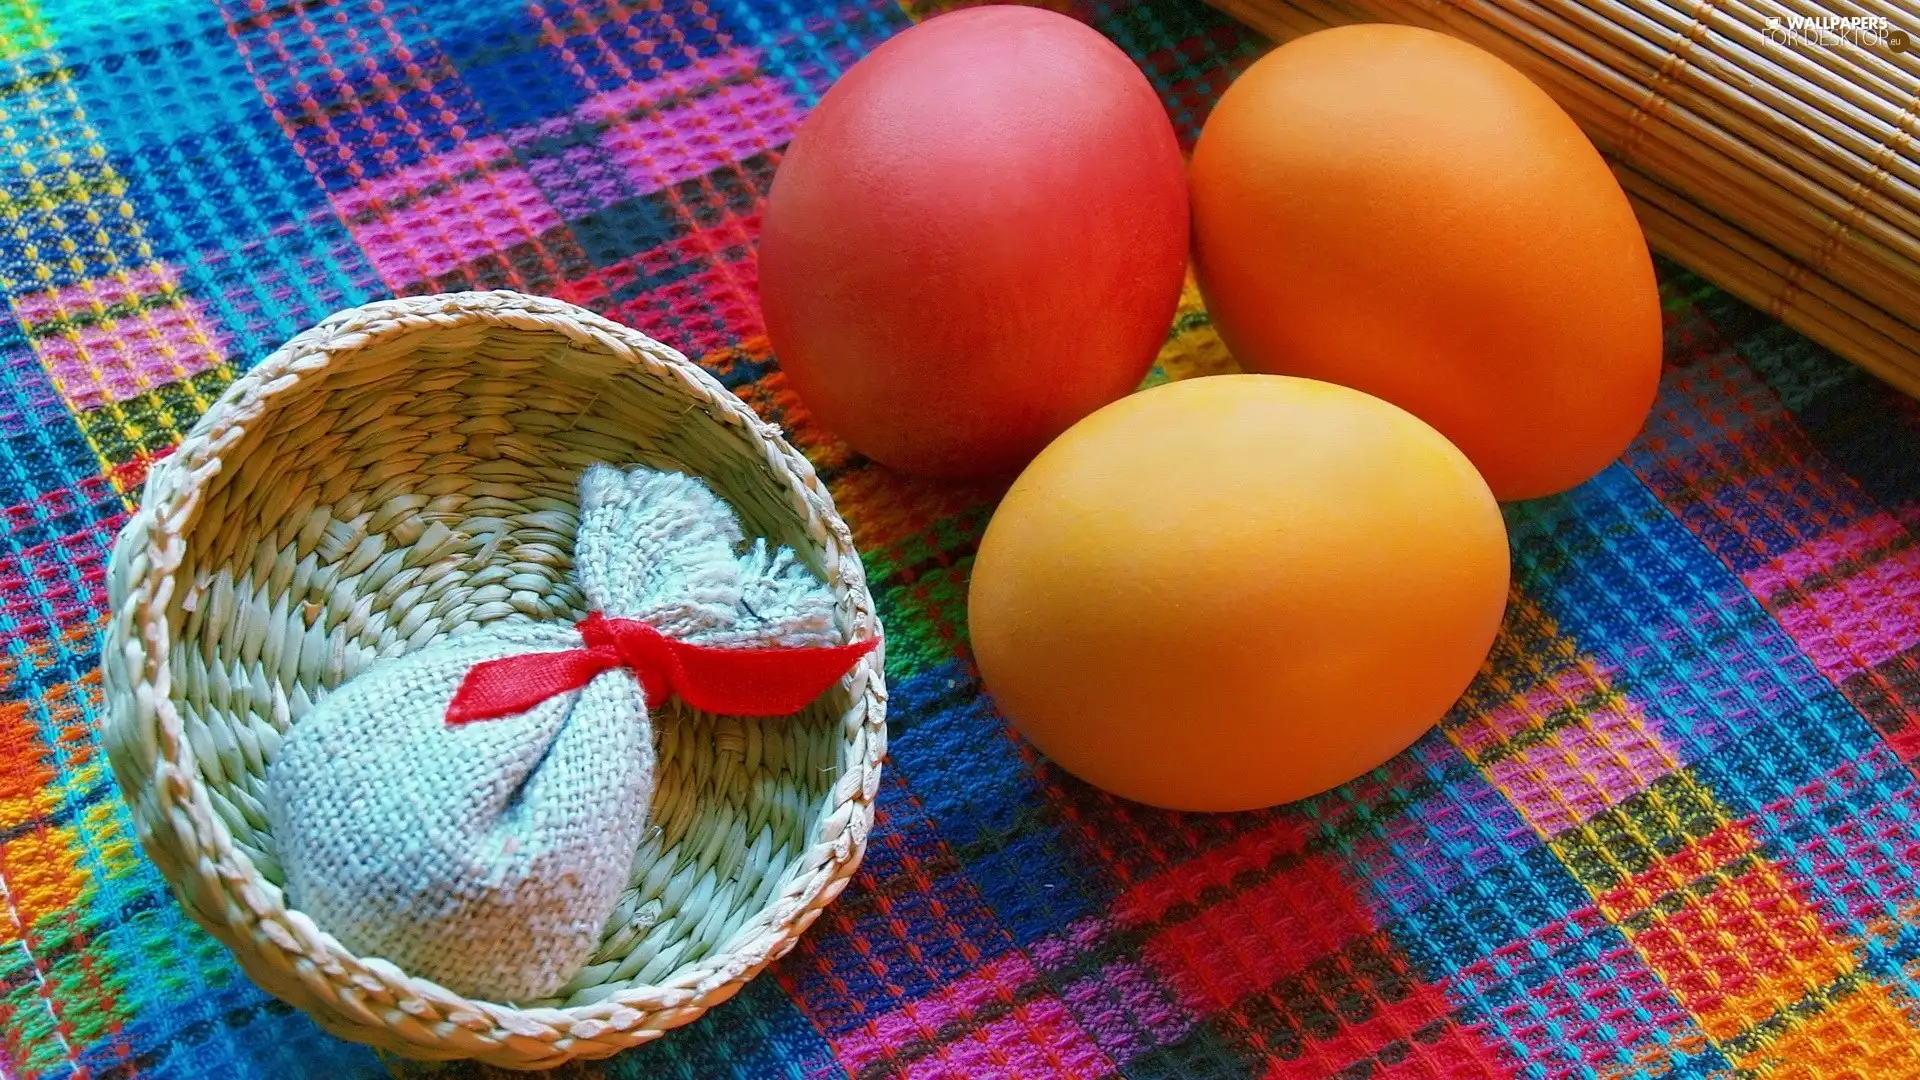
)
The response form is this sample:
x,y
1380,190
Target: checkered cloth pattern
x,y
1672,831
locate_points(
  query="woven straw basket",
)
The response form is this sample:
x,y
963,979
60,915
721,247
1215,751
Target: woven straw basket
x,y
406,470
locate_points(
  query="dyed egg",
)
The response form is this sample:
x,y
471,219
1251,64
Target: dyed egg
x,y
975,239
1236,591
1391,209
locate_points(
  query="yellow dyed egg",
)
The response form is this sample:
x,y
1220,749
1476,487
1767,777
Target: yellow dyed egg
x,y
1236,591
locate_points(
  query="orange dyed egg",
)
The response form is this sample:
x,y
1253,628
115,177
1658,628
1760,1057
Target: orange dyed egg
x,y
1236,591
1393,210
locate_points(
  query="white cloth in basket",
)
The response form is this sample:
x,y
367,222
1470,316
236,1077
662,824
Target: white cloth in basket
x,y
488,855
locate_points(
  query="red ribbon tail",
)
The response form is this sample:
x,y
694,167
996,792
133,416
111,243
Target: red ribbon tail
x,y
760,682
514,684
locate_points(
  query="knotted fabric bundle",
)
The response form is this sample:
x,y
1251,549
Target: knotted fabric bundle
x,y
470,811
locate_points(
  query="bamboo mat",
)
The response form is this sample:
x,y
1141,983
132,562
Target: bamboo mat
x,y
1764,145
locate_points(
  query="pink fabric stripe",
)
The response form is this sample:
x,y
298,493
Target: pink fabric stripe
x,y
1481,732
714,130
74,299
1126,1011
1584,768
1822,555
1609,752
1036,1038
1858,620
127,355
430,237
584,177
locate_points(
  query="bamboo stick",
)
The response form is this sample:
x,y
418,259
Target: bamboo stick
x,y
1680,230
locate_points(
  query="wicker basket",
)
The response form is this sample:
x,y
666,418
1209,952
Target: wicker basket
x,y
405,470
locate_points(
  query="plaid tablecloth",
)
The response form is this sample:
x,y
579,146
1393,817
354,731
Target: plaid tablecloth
x,y
1671,832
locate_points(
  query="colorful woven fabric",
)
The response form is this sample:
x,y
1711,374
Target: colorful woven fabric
x,y
1673,831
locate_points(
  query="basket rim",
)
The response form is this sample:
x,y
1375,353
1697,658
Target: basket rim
x,y
147,736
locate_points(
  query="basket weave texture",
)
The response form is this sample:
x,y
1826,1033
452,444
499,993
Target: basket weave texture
x,y
407,470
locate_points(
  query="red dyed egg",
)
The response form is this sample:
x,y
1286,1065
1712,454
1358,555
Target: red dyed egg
x,y
976,238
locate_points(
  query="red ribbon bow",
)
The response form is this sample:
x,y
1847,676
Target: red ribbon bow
x,y
734,682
